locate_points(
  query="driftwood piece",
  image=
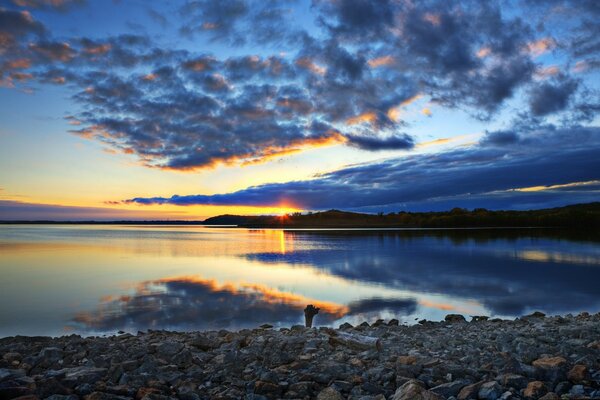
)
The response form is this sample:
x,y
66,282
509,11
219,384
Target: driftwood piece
x,y
354,341
309,312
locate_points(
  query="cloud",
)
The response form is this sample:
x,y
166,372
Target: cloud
x,y
22,211
285,88
553,96
546,156
396,142
54,5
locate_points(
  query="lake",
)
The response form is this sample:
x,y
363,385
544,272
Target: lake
x,y
99,279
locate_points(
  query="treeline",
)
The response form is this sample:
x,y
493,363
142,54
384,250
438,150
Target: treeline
x,y
584,216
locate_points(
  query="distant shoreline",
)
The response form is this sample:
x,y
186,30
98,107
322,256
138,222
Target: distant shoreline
x,y
579,216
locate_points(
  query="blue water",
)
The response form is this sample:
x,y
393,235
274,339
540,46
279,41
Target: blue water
x,y
62,279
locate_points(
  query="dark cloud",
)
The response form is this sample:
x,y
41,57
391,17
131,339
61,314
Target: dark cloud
x,y
179,109
53,5
22,211
396,142
552,96
549,156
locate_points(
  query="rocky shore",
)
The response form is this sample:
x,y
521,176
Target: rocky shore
x,y
533,357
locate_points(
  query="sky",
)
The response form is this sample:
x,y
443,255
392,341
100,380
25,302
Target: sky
x,y
193,108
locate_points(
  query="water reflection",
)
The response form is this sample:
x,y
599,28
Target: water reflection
x,y
192,303
96,279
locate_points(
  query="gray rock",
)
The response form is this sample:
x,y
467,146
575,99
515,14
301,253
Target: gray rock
x,y
450,388
329,393
490,391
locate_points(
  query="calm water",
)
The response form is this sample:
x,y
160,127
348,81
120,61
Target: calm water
x,y
101,279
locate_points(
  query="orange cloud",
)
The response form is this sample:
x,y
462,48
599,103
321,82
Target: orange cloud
x,y
307,63
433,19
381,61
394,112
98,49
541,46
544,72
368,117
483,52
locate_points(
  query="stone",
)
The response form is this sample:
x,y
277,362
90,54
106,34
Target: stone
x,y
549,362
490,391
393,322
552,369
407,360
452,318
578,373
577,390
550,396
536,314
535,390
450,389
414,390
469,391
169,348
512,381
329,393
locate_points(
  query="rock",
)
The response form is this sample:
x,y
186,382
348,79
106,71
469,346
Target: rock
x,y
393,322
452,318
329,393
549,362
449,389
490,391
577,390
406,360
346,325
550,396
536,314
512,381
62,397
469,391
578,373
414,390
535,390
79,375
169,348
12,357
266,326
552,369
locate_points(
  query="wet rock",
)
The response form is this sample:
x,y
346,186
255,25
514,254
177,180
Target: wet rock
x,y
329,393
169,348
414,390
449,389
490,391
512,381
578,373
535,390
469,391
453,318
577,390
550,396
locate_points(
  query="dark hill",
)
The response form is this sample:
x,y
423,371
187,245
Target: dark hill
x,y
584,216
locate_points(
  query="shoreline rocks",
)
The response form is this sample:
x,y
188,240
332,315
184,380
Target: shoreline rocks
x,y
534,357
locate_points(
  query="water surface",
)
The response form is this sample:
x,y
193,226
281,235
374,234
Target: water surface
x,y
91,279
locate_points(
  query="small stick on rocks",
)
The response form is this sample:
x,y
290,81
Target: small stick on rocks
x,y
309,312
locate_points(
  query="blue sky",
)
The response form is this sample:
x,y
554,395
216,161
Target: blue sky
x,y
187,109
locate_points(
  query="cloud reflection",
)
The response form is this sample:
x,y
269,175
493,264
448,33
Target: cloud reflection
x,y
497,273
192,303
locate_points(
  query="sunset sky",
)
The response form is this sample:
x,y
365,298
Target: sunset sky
x,y
134,109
